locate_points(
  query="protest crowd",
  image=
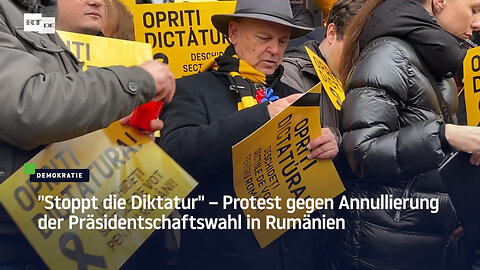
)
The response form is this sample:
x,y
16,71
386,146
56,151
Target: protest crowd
x,y
386,78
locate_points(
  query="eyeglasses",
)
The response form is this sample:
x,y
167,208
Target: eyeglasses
x,y
103,3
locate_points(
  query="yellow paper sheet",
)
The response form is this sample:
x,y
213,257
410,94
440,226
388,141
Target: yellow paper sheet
x,y
272,161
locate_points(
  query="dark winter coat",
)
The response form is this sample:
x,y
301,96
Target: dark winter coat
x,y
397,103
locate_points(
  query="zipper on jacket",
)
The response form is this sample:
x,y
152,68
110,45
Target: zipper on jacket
x,y
405,194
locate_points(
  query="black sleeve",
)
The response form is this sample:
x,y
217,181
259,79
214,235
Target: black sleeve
x,y
376,147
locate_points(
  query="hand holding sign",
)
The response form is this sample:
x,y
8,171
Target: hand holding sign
x,y
324,146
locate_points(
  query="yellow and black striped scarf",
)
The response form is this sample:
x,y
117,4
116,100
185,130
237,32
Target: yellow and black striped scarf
x,y
245,79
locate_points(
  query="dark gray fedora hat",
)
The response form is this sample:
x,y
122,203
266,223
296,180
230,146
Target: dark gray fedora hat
x,y
277,11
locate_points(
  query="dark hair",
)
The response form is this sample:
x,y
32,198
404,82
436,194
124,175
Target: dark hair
x,y
341,13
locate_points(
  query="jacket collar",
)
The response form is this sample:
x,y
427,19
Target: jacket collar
x,y
408,20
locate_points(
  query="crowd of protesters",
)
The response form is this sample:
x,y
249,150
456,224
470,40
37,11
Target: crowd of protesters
x,y
397,60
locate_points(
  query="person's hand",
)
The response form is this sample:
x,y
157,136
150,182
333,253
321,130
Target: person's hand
x,y
475,158
276,107
155,125
323,147
164,80
463,138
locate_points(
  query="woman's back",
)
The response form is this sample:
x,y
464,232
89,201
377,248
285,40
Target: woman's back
x,y
395,111
390,120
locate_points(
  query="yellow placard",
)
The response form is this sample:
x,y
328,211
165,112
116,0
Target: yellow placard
x,y
103,52
273,161
332,85
122,162
471,80
181,33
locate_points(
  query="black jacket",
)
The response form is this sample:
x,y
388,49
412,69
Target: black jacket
x,y
201,126
392,119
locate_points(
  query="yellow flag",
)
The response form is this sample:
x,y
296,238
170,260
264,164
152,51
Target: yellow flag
x,y
273,161
471,80
181,33
332,85
103,52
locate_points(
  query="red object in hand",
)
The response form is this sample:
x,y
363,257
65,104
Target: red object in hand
x,y
145,113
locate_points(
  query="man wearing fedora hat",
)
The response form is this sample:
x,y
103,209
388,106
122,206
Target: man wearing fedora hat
x,y
236,94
